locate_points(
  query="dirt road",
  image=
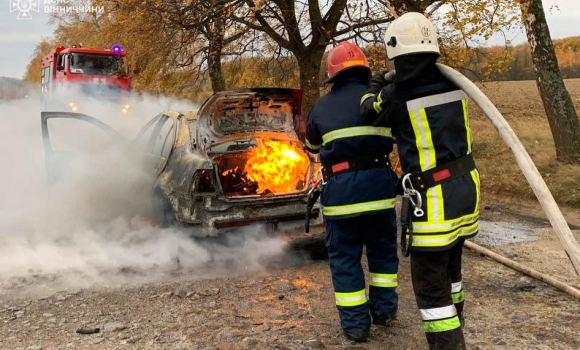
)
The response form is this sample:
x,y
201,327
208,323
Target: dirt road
x,y
289,305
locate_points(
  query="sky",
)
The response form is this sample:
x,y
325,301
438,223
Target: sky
x,y
18,37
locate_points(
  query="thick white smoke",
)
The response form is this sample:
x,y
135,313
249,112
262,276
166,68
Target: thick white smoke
x,y
88,230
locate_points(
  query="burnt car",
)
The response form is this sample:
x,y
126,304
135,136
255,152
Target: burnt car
x,y
234,162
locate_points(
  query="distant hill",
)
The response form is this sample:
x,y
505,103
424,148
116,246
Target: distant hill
x,y
11,88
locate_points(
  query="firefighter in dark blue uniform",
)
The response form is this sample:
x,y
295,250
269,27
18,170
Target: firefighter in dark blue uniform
x,y
428,116
358,200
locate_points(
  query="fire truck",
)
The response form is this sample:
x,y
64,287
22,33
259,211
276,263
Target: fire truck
x,y
72,76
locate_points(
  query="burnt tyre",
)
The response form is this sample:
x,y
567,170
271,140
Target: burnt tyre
x,y
309,245
312,248
163,214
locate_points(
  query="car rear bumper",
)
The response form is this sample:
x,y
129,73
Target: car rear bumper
x,y
218,214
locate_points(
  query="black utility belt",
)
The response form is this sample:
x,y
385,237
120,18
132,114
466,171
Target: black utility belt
x,y
430,178
360,163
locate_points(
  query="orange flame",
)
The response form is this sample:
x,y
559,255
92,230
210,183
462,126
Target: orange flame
x,y
278,166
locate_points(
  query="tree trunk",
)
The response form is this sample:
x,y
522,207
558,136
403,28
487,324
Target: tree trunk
x,y
216,44
216,75
309,70
558,105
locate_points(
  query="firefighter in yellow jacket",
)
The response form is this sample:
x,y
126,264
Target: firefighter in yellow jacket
x,y
428,117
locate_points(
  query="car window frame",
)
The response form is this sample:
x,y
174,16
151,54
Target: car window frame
x,y
174,131
140,139
158,130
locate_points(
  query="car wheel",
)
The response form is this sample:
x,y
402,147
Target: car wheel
x,y
313,248
310,245
163,214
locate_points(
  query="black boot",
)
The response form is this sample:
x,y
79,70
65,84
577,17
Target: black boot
x,y
383,321
359,336
449,340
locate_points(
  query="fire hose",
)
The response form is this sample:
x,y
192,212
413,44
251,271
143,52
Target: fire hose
x,y
524,269
524,161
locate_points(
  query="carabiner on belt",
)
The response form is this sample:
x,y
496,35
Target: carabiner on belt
x,y
410,192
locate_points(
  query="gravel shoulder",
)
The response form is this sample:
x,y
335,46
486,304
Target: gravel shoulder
x,y
288,304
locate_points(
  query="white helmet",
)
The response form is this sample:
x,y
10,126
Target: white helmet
x,y
410,33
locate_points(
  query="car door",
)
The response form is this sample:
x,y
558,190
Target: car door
x,y
68,136
156,141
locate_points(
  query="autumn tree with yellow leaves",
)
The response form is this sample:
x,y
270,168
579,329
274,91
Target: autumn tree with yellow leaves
x,y
184,48
188,39
307,28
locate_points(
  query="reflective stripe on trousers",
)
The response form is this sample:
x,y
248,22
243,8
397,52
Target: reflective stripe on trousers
x,y
384,280
457,292
440,319
351,299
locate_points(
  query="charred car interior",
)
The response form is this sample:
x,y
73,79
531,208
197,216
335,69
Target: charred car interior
x,y
264,167
263,164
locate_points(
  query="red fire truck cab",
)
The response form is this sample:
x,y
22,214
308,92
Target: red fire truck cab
x,y
70,76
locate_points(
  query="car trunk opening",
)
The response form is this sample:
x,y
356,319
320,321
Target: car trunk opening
x,y
263,167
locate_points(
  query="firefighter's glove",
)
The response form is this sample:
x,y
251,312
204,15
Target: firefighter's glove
x,y
390,76
378,81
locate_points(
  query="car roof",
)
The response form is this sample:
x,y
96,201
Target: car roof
x,y
189,115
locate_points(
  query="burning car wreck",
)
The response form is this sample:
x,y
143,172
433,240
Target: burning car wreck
x,y
235,162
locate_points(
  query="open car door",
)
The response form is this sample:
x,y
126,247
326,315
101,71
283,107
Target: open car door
x,y
155,141
68,137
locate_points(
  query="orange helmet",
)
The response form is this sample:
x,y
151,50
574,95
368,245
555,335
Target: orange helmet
x,y
342,57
